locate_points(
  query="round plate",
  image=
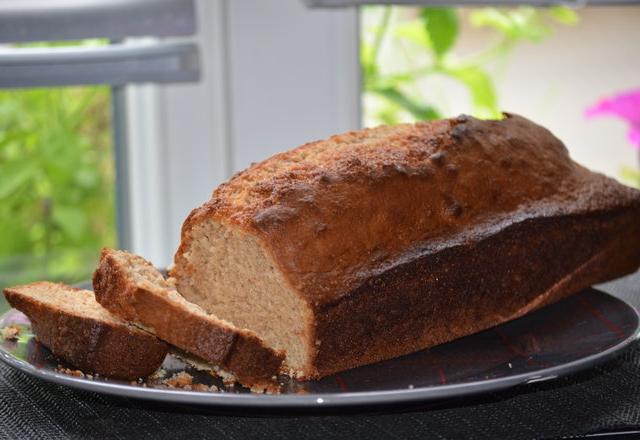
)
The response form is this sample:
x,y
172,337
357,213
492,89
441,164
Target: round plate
x,y
576,333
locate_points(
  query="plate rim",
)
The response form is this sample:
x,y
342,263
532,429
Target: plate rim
x,y
329,400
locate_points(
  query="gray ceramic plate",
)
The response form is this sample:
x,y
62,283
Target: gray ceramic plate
x,y
572,335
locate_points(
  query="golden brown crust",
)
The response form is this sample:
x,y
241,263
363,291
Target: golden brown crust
x,y
473,285
237,351
403,186
387,205
105,348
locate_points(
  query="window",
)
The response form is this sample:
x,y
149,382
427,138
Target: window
x,y
57,182
262,76
64,176
57,185
548,64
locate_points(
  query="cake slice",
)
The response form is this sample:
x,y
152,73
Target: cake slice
x,y
77,329
130,287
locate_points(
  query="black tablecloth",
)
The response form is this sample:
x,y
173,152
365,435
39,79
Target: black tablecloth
x,y
603,399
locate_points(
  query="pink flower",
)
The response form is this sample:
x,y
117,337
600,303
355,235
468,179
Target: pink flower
x,y
624,105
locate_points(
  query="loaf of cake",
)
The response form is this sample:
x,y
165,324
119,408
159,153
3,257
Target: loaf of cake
x,y
381,242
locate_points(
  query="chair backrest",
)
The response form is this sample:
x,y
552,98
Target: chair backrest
x,y
115,64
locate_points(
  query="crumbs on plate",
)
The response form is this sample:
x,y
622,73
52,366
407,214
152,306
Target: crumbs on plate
x,y
184,381
71,372
159,374
10,332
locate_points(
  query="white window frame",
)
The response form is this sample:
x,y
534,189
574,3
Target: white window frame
x,y
186,139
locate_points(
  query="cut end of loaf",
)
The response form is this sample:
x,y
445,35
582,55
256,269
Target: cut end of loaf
x,y
228,273
130,286
136,272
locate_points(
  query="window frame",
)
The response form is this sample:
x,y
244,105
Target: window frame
x,y
186,139
146,60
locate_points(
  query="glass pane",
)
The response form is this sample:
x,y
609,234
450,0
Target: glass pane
x,y
56,183
553,65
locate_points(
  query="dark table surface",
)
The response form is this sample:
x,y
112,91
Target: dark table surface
x,y
603,399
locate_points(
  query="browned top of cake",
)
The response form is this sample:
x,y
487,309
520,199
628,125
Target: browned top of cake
x,y
407,188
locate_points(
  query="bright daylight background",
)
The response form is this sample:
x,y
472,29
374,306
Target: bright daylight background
x,y
56,182
549,65
56,162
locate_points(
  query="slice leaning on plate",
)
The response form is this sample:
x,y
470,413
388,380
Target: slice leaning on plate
x,y
130,287
77,329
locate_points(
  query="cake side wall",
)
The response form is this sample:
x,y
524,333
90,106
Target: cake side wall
x,y
474,286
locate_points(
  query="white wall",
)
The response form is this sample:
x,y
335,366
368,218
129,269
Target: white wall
x,y
555,81
274,75
178,148
551,82
293,75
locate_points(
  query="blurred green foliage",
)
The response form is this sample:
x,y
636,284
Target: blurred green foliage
x,y
427,38
57,193
630,176
56,182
